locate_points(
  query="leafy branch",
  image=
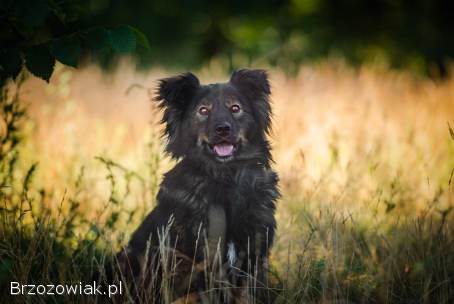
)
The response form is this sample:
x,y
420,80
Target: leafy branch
x,y
36,34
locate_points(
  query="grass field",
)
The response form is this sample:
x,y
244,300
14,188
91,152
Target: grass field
x,y
365,159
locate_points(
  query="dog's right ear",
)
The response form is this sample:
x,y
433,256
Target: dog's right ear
x,y
176,92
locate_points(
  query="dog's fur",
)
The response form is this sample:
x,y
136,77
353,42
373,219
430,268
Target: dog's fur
x,y
215,208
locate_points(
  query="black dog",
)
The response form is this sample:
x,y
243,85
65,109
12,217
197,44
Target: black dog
x,y
215,209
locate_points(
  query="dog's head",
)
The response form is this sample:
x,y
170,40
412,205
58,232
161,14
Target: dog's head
x,y
224,122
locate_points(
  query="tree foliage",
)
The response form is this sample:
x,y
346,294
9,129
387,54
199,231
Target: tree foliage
x,y
37,33
414,35
406,34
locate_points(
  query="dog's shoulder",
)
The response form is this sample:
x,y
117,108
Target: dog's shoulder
x,y
182,173
181,187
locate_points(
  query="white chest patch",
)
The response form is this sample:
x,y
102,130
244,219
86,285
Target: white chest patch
x,y
231,253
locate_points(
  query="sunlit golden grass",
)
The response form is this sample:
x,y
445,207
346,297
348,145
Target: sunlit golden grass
x,y
364,158
340,136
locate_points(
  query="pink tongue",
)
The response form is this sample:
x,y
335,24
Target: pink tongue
x,y
223,149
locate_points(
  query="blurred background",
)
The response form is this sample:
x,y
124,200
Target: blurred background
x,y
363,98
414,35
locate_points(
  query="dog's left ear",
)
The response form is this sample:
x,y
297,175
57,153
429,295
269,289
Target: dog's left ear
x,y
251,82
254,85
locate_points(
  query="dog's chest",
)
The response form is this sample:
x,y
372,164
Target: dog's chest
x,y
226,213
216,228
220,241
226,205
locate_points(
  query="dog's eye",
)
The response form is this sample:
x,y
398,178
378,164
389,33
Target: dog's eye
x,y
203,111
235,108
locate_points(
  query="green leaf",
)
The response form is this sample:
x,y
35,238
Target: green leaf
x,y
97,38
39,61
141,38
11,62
122,39
67,50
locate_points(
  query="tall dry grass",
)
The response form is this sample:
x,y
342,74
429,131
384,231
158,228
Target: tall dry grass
x,y
364,158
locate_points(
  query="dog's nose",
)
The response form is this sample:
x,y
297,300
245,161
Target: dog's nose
x,y
223,129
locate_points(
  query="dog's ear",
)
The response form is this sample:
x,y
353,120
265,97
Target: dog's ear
x,y
176,92
254,85
251,82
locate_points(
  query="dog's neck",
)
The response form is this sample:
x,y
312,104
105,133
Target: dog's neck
x,y
224,172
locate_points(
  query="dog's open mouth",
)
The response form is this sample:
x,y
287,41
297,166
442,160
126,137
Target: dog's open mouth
x,y
223,149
